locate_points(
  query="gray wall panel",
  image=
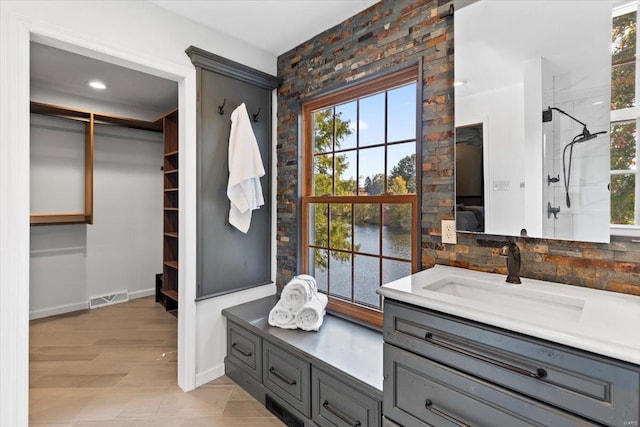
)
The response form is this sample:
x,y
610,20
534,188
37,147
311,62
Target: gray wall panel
x,y
229,260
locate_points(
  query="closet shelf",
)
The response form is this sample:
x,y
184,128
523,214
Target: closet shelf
x,y
171,234
59,218
171,153
171,171
172,264
167,190
170,293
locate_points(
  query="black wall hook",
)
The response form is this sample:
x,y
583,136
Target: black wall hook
x,y
221,107
255,116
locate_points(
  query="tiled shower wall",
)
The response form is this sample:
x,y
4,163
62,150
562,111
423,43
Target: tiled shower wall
x,y
383,37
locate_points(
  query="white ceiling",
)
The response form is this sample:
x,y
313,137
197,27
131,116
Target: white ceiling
x,y
275,26
65,72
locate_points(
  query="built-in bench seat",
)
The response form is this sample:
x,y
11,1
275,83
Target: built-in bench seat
x,y
330,377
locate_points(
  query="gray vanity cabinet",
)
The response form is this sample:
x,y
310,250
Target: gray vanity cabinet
x,y
245,349
428,393
440,370
337,404
287,376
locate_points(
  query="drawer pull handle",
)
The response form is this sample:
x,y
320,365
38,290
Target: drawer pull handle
x,y
237,348
539,373
281,377
326,405
429,405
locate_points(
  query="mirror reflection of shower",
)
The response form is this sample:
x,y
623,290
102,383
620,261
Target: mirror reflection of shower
x,y
585,135
575,178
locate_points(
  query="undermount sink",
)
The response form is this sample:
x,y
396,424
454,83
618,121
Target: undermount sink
x,y
510,300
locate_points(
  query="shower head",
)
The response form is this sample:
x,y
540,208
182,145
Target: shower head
x,y
585,136
581,137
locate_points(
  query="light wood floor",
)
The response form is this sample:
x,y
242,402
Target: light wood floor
x,y
116,366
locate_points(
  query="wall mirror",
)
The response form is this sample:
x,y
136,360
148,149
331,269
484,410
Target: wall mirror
x,y
533,106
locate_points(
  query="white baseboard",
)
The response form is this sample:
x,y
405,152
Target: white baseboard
x,y
143,293
209,375
61,309
68,308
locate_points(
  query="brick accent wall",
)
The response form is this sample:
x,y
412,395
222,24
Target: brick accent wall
x,y
383,37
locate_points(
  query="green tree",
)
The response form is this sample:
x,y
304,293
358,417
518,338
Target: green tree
x,y
623,157
398,216
406,168
623,135
374,185
332,225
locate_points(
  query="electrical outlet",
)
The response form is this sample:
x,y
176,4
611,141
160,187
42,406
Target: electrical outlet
x,y
449,231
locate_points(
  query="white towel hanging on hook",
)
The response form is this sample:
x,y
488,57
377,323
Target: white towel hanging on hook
x,y
245,169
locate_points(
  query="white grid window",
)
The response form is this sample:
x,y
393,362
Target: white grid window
x,y
625,115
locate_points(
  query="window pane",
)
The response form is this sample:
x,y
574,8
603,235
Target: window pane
x,y
318,261
323,131
401,164
393,270
346,173
396,230
366,233
366,278
346,125
401,113
318,232
623,199
340,226
372,170
623,40
623,79
323,174
371,123
623,146
340,274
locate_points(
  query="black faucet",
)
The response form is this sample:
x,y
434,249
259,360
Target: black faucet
x,y
513,261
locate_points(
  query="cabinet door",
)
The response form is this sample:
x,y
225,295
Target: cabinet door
x,y
287,376
593,386
245,350
419,392
336,404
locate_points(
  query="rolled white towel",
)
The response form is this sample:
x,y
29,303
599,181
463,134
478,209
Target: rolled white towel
x,y
296,294
282,317
311,316
310,280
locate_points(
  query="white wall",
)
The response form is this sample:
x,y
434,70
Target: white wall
x,y
135,34
122,250
502,113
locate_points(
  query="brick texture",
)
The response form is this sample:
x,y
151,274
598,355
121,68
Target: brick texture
x,y
383,37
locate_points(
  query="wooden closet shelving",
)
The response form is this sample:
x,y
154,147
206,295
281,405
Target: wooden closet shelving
x,y
169,289
90,119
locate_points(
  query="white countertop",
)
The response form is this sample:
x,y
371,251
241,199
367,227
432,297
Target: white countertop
x,y
601,322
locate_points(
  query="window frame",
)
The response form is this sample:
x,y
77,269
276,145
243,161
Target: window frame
x,y
389,81
630,114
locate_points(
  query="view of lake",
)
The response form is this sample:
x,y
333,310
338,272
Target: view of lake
x,y
366,269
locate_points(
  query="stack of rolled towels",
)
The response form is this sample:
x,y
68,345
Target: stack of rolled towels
x,y
300,305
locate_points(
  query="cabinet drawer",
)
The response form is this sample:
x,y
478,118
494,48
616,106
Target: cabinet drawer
x,y
336,404
244,348
423,392
595,387
287,376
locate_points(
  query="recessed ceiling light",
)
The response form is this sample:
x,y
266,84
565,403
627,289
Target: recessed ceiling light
x,y
97,84
459,83
598,103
